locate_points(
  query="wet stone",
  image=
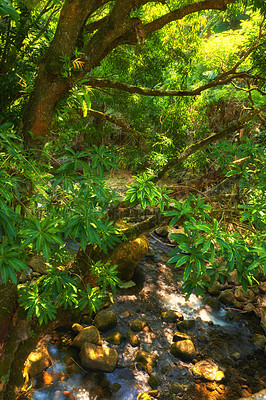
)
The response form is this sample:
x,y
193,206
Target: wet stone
x,y
115,387
154,381
236,355
184,350
115,338
176,388
132,338
146,360
207,370
98,357
138,325
171,316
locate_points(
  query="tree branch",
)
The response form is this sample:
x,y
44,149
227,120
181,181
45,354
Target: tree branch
x,y
221,79
231,128
116,121
184,11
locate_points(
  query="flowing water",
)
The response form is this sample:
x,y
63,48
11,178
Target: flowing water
x,y
216,338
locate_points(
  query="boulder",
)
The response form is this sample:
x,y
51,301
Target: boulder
x,y
207,370
37,361
89,334
146,360
105,320
184,349
171,316
128,254
100,358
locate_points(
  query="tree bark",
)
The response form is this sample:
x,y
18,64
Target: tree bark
x,y
117,29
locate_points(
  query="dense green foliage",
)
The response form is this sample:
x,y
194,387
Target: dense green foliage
x,y
56,192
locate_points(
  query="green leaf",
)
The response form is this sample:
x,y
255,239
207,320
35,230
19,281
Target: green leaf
x,y
179,259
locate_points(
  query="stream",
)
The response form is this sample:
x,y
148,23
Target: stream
x,y
222,336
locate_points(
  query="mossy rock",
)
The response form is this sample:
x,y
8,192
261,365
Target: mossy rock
x,y
115,338
128,254
138,325
105,320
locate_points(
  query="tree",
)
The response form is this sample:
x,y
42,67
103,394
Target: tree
x,y
62,48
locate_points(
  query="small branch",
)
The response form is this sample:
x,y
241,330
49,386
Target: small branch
x,y
232,128
116,121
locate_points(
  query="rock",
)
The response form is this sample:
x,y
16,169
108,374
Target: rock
x,y
262,287
98,357
38,264
176,388
184,350
171,316
216,288
138,325
133,339
154,381
128,254
77,328
236,355
186,325
37,361
146,360
105,320
227,297
115,387
249,307
212,302
260,341
244,297
162,231
257,396
90,335
115,338
207,370
180,336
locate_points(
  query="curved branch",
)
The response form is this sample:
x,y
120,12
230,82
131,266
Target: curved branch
x,y
230,129
221,79
184,11
116,121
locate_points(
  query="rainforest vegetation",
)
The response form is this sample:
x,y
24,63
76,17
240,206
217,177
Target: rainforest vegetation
x,y
171,90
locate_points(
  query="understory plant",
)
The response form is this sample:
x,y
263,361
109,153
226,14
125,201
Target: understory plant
x,y
206,250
